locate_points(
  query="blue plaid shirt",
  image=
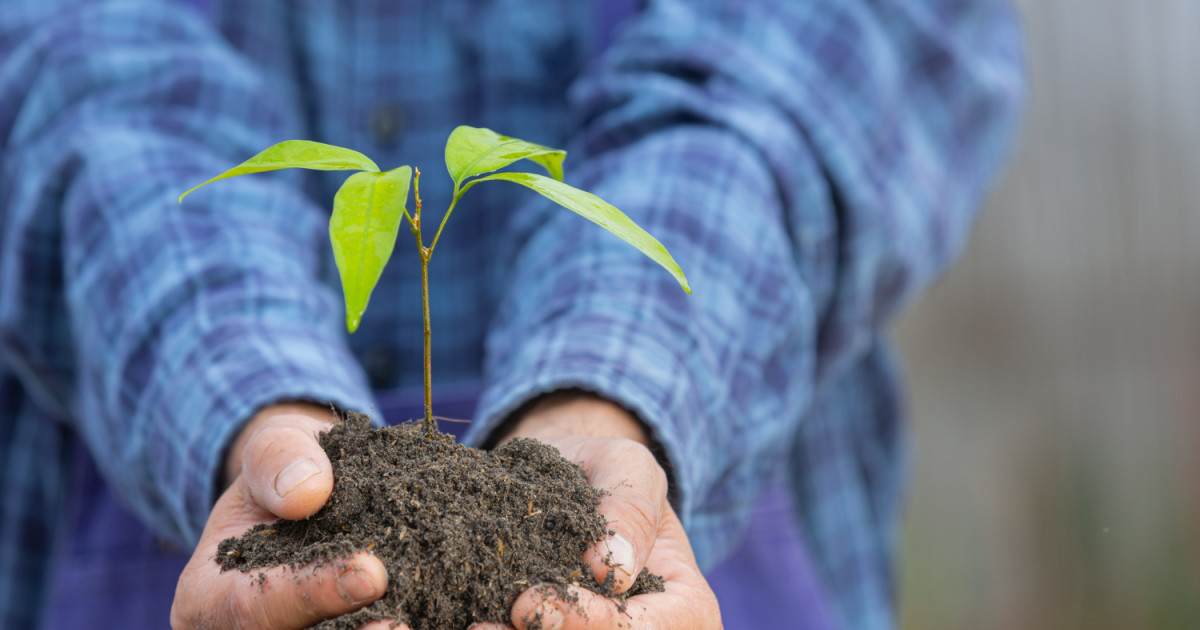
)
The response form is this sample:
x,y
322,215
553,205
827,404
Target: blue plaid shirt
x,y
811,165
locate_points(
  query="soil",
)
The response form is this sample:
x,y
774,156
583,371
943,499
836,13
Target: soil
x,y
461,531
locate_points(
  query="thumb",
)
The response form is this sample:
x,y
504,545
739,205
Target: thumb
x,y
284,469
634,505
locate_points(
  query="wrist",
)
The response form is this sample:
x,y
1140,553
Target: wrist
x,y
574,413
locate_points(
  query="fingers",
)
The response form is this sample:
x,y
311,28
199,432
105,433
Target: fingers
x,y
634,505
281,598
385,624
585,610
284,468
608,443
542,609
686,603
279,470
300,599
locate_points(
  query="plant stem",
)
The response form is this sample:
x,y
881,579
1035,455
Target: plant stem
x,y
429,423
424,252
453,202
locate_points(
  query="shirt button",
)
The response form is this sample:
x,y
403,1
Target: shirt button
x,y
386,123
381,367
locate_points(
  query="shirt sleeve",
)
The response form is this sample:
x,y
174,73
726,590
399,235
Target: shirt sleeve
x,y
155,328
811,165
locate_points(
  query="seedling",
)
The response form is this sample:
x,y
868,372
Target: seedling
x,y
370,204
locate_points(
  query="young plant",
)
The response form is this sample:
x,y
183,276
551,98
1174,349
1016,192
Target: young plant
x,y
369,206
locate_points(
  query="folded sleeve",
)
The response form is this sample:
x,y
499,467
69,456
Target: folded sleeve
x,y
155,328
811,165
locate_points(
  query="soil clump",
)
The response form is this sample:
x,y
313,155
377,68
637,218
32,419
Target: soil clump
x,y
461,531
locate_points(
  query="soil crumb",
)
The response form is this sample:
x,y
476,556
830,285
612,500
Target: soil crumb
x,y
461,531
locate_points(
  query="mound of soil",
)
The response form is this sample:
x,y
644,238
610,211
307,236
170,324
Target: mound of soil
x,y
461,531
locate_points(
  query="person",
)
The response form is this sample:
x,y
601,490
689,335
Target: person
x,y
812,166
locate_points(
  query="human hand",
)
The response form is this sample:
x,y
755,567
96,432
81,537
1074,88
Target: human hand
x,y
276,470
610,445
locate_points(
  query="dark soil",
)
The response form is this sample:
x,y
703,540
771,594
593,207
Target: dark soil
x,y
461,531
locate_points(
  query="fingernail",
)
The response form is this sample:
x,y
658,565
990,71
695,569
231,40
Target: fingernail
x,y
355,585
296,473
621,554
550,616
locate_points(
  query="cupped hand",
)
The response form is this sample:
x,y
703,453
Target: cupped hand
x,y
610,445
278,470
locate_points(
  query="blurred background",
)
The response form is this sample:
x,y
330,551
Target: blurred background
x,y
1055,373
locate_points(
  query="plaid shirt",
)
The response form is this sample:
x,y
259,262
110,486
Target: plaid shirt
x,y
811,165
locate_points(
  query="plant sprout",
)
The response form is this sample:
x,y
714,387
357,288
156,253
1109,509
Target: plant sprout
x,y
369,206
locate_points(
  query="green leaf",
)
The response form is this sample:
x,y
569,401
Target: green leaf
x,y
601,213
367,211
472,151
316,156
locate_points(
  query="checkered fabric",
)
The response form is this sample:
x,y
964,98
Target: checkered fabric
x,y
811,165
